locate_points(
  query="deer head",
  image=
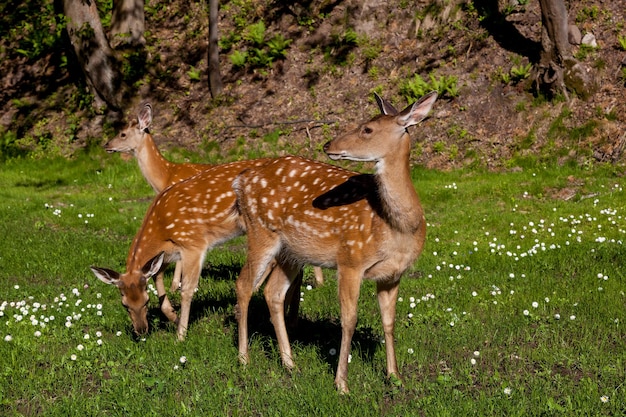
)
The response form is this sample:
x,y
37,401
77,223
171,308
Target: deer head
x,y
131,138
133,288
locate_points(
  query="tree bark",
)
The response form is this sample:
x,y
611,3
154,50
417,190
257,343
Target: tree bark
x,y
215,78
127,23
93,52
558,70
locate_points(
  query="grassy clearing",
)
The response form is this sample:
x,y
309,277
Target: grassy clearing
x,y
516,307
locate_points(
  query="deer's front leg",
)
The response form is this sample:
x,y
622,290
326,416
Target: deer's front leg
x,y
164,302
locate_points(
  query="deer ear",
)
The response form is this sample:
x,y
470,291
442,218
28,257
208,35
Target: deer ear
x,y
153,266
145,117
417,111
108,276
385,106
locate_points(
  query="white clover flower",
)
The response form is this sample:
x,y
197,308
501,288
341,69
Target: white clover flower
x,y
99,342
183,360
118,333
604,399
535,304
572,317
37,333
80,347
476,353
410,351
507,391
73,357
557,316
474,293
526,312
8,338
473,361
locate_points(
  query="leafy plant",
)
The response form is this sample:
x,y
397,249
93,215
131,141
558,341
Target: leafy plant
x,y
416,87
277,46
255,34
622,42
238,58
194,74
520,72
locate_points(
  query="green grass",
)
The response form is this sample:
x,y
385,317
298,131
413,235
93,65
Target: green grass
x,y
516,306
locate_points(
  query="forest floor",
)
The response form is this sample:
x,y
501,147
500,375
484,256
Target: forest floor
x,y
325,82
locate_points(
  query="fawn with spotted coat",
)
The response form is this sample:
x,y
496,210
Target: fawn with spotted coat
x,y
160,173
297,211
183,222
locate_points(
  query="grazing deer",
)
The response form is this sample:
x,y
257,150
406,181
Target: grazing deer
x,y
297,211
184,221
160,173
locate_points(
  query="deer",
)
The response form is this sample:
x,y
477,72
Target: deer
x,y
183,222
135,139
366,226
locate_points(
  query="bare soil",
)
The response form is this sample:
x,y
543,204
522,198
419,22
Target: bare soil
x,y
322,87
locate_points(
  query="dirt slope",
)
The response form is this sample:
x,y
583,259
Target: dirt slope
x,y
325,83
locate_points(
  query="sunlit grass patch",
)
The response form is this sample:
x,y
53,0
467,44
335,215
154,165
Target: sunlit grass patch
x,y
515,307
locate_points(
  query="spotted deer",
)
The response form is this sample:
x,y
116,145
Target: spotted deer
x,y
183,222
136,140
298,211
160,173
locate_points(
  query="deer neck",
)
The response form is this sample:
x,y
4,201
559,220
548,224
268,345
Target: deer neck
x,y
151,163
399,203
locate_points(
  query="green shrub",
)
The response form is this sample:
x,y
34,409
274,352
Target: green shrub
x,y
416,87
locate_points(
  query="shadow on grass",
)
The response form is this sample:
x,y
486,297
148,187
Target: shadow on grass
x,y
324,334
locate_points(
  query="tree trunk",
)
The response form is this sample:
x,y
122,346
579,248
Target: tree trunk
x,y
558,71
127,23
93,52
215,78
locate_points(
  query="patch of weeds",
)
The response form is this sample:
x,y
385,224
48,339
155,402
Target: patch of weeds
x,y
587,13
373,72
416,87
194,74
520,72
260,50
584,51
339,50
622,42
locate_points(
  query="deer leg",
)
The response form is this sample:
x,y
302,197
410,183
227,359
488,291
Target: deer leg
x,y
292,300
387,296
319,276
177,275
192,266
279,285
261,253
349,287
164,302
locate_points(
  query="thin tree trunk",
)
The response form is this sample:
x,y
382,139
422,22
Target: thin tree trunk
x,y
127,23
93,52
215,78
558,70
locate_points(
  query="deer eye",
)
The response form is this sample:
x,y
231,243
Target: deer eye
x,y
367,130
123,135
